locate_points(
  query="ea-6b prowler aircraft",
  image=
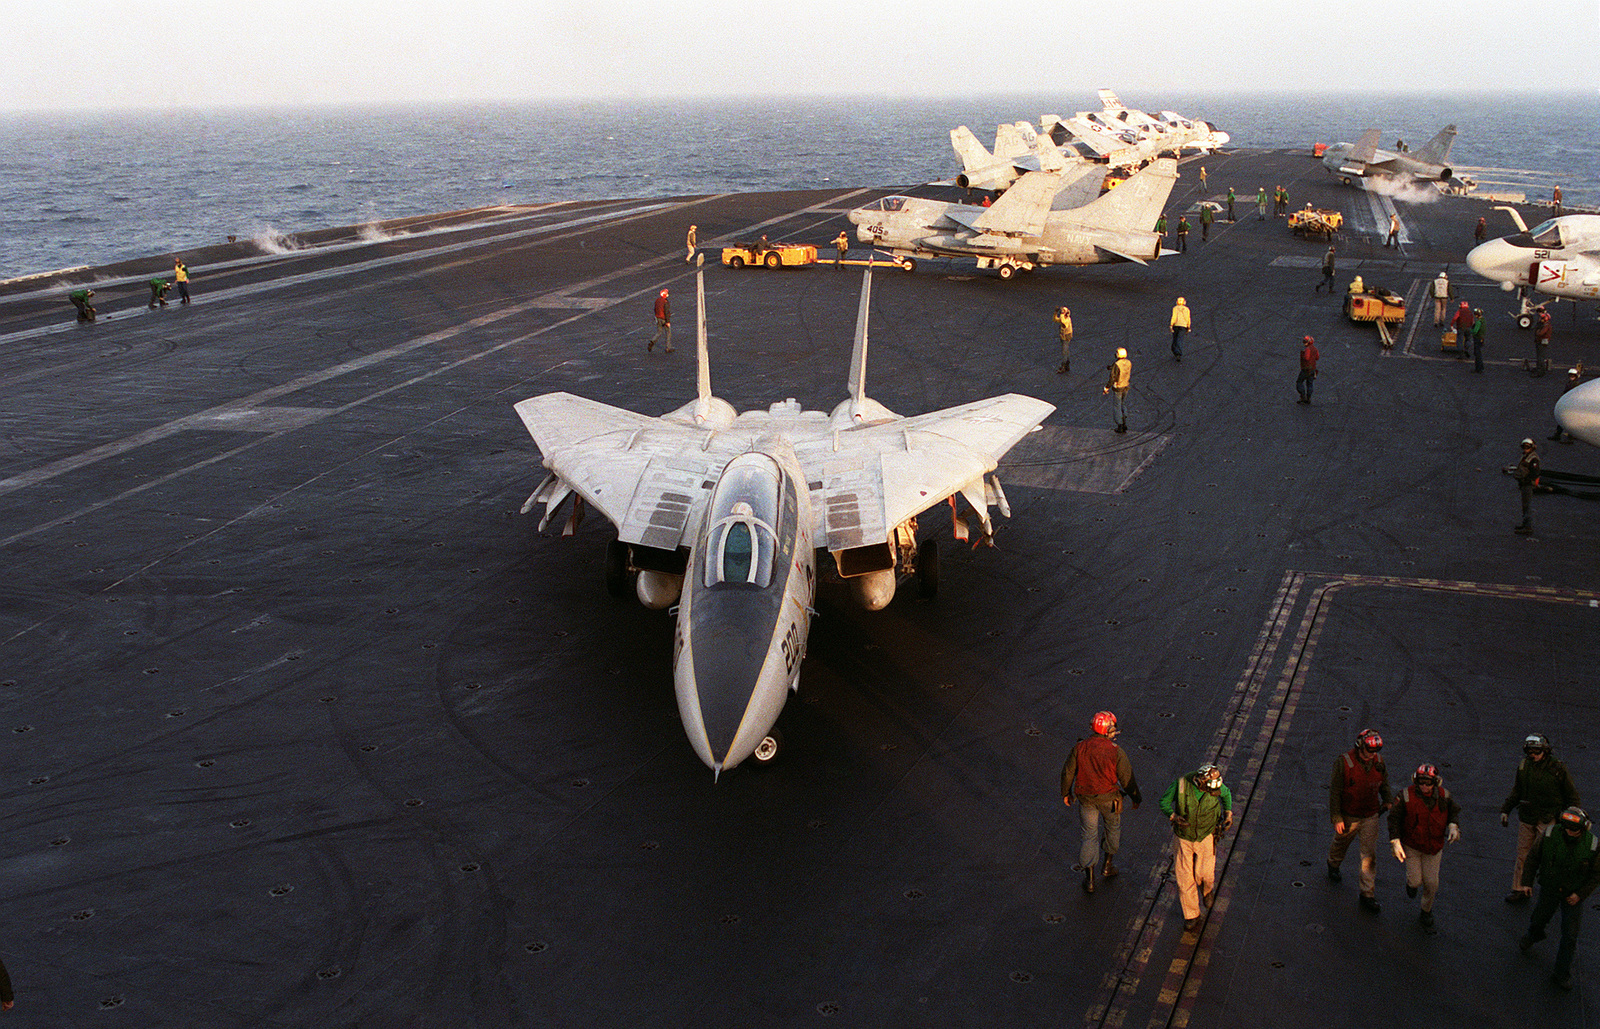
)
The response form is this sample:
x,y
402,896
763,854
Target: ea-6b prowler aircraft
x,y
721,513
1363,159
1020,231
1559,257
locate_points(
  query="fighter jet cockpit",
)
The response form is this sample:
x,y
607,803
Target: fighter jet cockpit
x,y
1546,235
894,203
744,508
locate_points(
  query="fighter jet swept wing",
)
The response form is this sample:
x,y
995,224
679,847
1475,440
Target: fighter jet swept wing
x,y
721,514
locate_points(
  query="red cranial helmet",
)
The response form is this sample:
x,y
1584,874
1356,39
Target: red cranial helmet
x,y
1104,724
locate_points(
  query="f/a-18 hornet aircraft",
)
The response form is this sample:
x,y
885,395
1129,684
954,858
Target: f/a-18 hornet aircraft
x,y
1363,159
721,513
1020,231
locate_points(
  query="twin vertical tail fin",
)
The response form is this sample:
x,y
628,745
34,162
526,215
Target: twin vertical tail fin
x,y
858,408
702,355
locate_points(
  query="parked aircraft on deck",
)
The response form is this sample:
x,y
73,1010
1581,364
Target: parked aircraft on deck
x,y
1363,159
721,513
1559,257
1020,231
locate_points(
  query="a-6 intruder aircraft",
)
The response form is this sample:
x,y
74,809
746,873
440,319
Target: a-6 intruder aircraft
x,y
1363,159
1020,232
720,513
1559,257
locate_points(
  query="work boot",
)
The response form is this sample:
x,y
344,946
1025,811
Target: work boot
x,y
1110,870
1425,919
649,346
1518,897
1061,369
1088,879
1523,530
1191,924
1334,875
1411,891
1206,899
1370,904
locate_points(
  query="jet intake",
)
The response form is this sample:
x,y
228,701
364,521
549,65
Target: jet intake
x,y
863,560
654,559
1445,174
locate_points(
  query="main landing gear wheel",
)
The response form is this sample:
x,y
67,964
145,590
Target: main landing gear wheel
x,y
617,568
773,260
1524,321
735,261
1007,270
766,751
928,569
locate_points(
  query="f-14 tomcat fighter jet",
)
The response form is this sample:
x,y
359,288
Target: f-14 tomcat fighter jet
x,y
1363,159
1020,231
721,513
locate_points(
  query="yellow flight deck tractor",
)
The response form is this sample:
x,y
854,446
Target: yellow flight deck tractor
x,y
1309,222
773,255
1377,305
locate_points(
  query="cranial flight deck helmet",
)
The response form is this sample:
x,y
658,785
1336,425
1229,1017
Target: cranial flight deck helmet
x,y
1369,741
1208,777
1104,724
1426,775
1573,820
1536,743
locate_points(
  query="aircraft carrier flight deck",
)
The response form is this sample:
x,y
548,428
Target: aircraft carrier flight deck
x,y
307,725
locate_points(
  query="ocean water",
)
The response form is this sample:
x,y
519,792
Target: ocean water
x,y
80,189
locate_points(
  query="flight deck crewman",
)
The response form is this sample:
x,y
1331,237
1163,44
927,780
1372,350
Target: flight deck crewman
x,y
1098,773
1441,297
841,244
1179,324
1424,818
691,242
180,274
663,322
1567,865
80,300
1063,321
1358,793
158,292
1542,787
1117,385
1200,809
1526,472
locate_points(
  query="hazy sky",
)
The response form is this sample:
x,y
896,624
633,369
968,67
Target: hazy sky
x,y
201,53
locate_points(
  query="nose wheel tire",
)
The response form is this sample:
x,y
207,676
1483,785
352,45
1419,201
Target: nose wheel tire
x,y
1524,321
1007,270
766,751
